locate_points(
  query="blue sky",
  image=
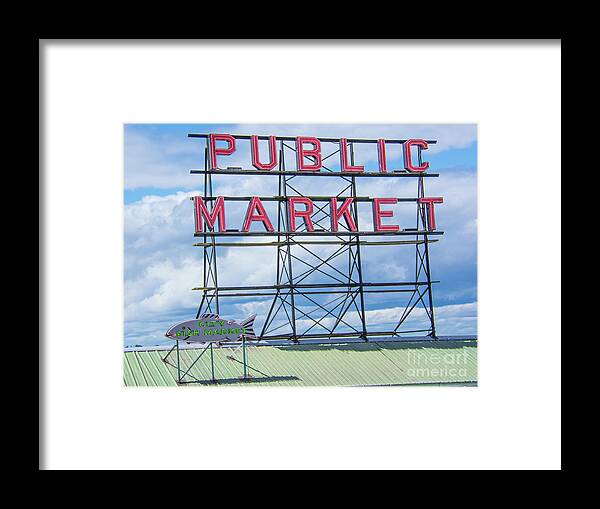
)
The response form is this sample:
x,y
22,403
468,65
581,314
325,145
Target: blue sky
x,y
161,266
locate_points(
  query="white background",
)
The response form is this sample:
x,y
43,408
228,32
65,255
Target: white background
x,y
512,420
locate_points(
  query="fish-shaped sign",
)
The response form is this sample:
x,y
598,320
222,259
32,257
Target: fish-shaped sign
x,y
210,328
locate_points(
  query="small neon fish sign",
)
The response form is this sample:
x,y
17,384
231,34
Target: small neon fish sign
x,y
210,328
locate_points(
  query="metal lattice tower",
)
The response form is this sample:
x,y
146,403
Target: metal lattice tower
x,y
319,292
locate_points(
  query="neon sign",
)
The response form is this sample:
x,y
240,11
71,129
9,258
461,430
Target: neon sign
x,y
300,209
321,240
308,147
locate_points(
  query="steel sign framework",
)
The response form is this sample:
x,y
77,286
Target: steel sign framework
x,y
320,296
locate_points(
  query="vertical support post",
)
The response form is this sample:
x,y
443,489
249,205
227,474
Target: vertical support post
x,y
358,259
278,272
289,258
244,355
214,252
212,363
426,244
429,289
178,368
204,248
210,279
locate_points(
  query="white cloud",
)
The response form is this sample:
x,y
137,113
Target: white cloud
x,y
163,286
161,165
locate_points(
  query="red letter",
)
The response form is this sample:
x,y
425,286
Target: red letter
x,y
305,214
336,214
381,156
272,154
255,203
429,203
378,214
315,153
218,211
408,165
344,156
213,151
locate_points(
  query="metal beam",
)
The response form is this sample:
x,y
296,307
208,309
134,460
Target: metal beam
x,y
240,171
237,233
320,138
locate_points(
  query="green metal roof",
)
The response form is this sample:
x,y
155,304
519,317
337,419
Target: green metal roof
x,y
353,364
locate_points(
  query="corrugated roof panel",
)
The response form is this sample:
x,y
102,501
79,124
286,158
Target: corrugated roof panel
x,y
353,364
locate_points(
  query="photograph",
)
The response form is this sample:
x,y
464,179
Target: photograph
x,y
300,254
